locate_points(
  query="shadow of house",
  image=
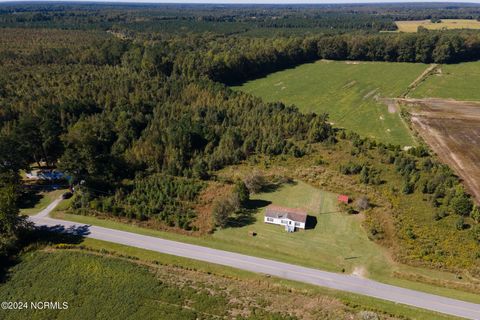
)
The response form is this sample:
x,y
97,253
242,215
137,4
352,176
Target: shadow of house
x,y
311,222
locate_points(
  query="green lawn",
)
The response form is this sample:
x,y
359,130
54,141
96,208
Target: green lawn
x,y
456,81
45,198
346,91
337,242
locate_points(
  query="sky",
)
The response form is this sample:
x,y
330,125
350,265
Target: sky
x,y
255,1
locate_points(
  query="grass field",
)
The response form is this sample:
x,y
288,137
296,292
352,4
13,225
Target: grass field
x,y
337,242
347,91
110,286
412,26
455,81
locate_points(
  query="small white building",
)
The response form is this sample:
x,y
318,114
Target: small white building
x,y
291,218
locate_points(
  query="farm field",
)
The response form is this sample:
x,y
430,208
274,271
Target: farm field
x,y
412,26
97,287
452,129
347,91
137,284
453,81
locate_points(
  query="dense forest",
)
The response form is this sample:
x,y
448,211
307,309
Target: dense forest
x,y
142,119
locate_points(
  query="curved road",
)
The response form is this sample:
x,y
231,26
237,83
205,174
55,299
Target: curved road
x,y
331,280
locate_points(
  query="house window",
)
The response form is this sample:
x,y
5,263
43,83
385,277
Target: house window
x,y
270,219
283,221
297,224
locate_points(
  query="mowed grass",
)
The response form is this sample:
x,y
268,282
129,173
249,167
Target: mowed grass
x,y
45,198
347,91
455,81
412,26
336,242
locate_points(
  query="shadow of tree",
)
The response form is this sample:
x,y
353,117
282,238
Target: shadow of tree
x,y
255,204
242,218
29,199
39,237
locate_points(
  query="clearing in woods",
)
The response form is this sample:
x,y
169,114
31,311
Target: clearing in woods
x,y
412,26
348,91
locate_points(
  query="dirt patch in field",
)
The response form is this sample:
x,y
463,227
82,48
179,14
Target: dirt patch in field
x,y
452,129
391,104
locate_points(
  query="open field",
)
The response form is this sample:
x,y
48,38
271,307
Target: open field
x,y
452,129
138,284
453,81
347,91
412,26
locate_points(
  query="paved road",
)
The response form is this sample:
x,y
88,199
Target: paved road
x,y
331,280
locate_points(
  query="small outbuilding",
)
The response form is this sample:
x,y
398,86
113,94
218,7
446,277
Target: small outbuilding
x,y
343,198
291,218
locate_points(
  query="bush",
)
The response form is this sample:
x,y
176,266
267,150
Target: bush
x,y
350,168
461,204
362,203
241,192
475,214
460,223
255,182
476,233
224,208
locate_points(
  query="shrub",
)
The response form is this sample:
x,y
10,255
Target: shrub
x,y
241,192
460,223
255,182
476,233
475,214
461,204
224,208
350,168
362,203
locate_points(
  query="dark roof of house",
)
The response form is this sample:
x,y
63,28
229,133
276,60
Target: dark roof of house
x,y
278,212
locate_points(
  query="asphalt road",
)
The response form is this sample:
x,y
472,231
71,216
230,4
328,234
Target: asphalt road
x,y
331,280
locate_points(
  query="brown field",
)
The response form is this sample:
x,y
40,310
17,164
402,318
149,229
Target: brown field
x,y
452,129
412,26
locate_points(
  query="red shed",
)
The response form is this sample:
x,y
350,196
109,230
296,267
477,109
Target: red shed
x,y
343,198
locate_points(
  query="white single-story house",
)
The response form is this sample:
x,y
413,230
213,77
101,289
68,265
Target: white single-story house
x,y
291,218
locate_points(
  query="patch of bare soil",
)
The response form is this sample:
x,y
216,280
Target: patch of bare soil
x,y
452,129
391,104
